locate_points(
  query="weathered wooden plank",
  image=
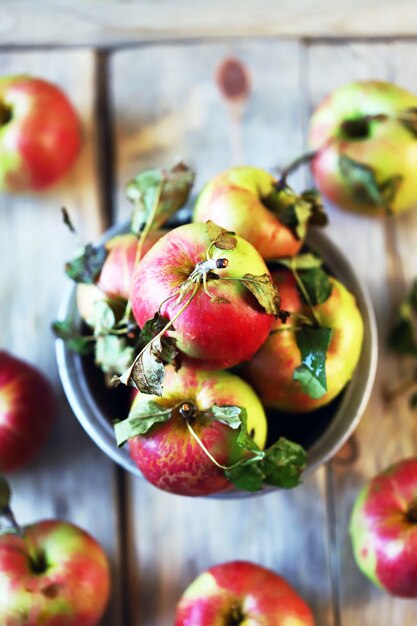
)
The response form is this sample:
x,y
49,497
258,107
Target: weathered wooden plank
x,y
71,478
385,433
115,22
166,102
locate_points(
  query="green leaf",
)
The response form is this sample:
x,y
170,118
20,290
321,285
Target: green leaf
x,y
86,267
228,414
296,211
74,340
264,291
317,284
151,328
103,317
158,193
280,466
301,261
311,374
403,336
283,464
365,187
142,416
113,354
221,238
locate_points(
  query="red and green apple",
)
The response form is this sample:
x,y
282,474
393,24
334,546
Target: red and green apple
x,y
40,134
206,292
240,593
241,199
168,454
271,370
365,137
27,409
383,529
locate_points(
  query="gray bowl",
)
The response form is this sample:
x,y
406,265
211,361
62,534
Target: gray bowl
x,y
347,412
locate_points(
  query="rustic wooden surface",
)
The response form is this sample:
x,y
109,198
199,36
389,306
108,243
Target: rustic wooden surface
x,y
143,106
114,22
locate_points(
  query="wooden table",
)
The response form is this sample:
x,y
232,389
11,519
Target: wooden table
x,y
144,105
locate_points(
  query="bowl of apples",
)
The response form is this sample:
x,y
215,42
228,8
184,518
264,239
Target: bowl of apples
x,y
221,347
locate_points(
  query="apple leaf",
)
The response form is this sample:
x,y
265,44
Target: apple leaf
x,y
306,261
296,211
403,336
147,371
228,414
104,318
86,267
141,418
264,291
74,340
157,194
221,238
113,354
317,285
281,465
365,187
311,374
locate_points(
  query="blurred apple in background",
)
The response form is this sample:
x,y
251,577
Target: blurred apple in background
x,y
51,573
27,409
240,593
365,135
40,134
383,529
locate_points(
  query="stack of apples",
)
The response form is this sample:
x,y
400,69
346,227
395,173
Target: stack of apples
x,y
173,311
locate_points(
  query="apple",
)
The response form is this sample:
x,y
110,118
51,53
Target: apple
x,y
168,455
113,282
239,593
223,324
236,199
271,370
51,573
371,124
27,409
383,529
40,134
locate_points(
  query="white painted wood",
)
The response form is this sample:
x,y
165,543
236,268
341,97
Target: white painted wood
x,y
112,22
382,254
166,103
71,478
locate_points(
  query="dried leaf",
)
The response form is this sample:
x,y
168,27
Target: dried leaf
x,y
221,238
264,291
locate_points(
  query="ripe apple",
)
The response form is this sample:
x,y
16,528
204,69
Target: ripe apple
x,y
215,331
168,455
271,370
383,529
40,134
115,277
235,199
27,408
240,593
374,124
51,573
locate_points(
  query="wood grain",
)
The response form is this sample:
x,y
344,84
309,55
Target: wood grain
x,y
382,254
166,102
114,22
71,478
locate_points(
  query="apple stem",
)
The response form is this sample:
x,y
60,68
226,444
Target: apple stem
x,y
203,447
301,160
8,524
412,513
